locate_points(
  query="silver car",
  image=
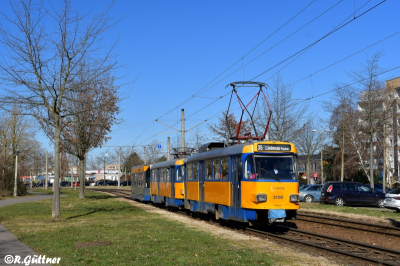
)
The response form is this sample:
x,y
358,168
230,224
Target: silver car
x,y
310,193
392,199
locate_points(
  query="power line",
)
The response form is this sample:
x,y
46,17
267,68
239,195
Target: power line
x,y
241,58
309,46
317,41
358,81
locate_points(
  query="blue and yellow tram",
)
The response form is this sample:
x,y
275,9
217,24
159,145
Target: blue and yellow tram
x,y
240,183
167,182
140,179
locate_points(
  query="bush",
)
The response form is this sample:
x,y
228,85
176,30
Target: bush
x,y
7,185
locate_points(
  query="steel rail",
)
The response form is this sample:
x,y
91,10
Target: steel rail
x,y
350,244
299,217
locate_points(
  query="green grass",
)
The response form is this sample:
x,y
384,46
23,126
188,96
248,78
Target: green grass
x,y
351,210
136,237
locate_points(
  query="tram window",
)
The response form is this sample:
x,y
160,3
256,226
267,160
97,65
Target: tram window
x,y
208,169
164,174
240,167
189,172
216,169
196,171
167,175
225,168
179,173
249,168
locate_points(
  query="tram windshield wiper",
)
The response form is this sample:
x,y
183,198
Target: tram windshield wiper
x,y
270,174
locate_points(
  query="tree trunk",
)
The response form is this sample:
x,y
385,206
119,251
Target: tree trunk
x,y
56,195
308,170
371,163
82,172
342,164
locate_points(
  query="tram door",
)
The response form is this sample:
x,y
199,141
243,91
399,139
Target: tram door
x,y
158,184
235,186
172,179
185,179
201,183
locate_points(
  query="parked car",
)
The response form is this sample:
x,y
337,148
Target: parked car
x,y
65,184
303,185
392,199
125,183
310,193
112,183
100,183
379,187
351,193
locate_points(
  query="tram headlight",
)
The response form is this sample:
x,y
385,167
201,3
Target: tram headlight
x,y
294,198
261,197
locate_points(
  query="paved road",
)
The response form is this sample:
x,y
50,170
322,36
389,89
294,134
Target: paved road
x,y
39,196
9,244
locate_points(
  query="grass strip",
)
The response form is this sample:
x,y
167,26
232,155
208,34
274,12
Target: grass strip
x,y
101,230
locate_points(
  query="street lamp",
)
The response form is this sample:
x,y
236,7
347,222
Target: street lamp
x,y
16,171
104,165
322,160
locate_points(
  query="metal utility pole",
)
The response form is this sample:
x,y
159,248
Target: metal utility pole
x,y
16,173
144,155
46,172
30,179
183,130
169,150
119,166
322,158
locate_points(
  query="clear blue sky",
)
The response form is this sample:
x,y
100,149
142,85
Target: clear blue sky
x,y
176,48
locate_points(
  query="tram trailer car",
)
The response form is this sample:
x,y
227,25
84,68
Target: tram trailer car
x,y
167,183
140,180
238,182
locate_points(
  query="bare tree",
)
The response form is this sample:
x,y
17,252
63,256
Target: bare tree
x,y
287,114
307,142
153,152
343,118
96,107
221,128
41,59
370,104
198,138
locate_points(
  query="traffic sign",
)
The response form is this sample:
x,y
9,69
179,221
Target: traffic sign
x,y
159,146
315,175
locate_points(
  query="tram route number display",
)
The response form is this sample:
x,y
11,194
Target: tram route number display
x,y
273,147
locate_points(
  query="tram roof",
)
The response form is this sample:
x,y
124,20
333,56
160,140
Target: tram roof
x,y
167,163
231,150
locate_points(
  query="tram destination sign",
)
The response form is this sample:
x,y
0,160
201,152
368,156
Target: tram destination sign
x,y
273,147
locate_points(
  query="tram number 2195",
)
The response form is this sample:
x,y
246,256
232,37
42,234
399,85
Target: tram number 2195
x,y
278,197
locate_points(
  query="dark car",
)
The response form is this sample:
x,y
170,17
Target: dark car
x,y
351,193
125,183
379,187
65,184
100,183
111,183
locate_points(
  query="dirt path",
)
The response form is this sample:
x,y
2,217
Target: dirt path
x,y
295,257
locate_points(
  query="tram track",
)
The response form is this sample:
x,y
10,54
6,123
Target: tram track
x,y
365,227
355,250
